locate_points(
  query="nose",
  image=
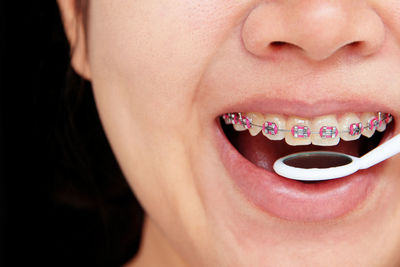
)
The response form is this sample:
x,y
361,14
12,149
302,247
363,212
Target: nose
x,y
317,28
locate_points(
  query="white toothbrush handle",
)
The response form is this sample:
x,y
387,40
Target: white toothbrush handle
x,y
380,153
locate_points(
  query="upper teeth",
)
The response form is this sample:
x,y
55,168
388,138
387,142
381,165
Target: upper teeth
x,y
324,130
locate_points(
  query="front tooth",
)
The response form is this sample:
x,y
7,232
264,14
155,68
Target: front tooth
x,y
302,127
368,119
271,122
256,119
349,127
326,131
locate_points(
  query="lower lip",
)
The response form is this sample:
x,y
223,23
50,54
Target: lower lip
x,y
292,200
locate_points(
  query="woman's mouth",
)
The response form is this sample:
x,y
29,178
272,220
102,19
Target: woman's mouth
x,y
329,132
256,140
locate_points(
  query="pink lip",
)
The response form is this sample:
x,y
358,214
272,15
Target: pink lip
x,y
293,200
305,109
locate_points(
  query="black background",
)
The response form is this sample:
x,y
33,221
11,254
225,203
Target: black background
x,y
41,227
30,49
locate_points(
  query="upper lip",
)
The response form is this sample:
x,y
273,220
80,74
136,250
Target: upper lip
x,y
300,108
263,89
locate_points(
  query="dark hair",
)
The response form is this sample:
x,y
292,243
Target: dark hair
x,y
90,215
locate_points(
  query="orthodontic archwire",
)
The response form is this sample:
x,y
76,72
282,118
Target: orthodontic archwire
x,y
271,128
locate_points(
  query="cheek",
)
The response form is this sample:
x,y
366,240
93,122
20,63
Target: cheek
x,y
155,51
135,58
390,12
146,59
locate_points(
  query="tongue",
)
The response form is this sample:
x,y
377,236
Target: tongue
x,y
263,152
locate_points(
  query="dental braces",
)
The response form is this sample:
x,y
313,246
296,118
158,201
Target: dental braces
x,y
302,131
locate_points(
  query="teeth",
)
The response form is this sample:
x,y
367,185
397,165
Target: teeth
x,y
322,131
350,122
327,130
271,123
382,127
257,119
239,127
368,119
239,124
300,131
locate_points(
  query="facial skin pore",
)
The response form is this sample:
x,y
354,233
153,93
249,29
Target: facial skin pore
x,y
164,70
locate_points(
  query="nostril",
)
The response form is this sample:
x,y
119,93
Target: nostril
x,y
277,49
281,45
278,43
355,45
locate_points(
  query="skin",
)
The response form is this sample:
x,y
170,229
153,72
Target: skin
x,y
161,72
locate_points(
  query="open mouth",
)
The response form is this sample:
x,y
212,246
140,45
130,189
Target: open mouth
x,y
262,139
258,140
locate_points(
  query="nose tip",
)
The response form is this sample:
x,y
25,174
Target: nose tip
x,y
317,30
